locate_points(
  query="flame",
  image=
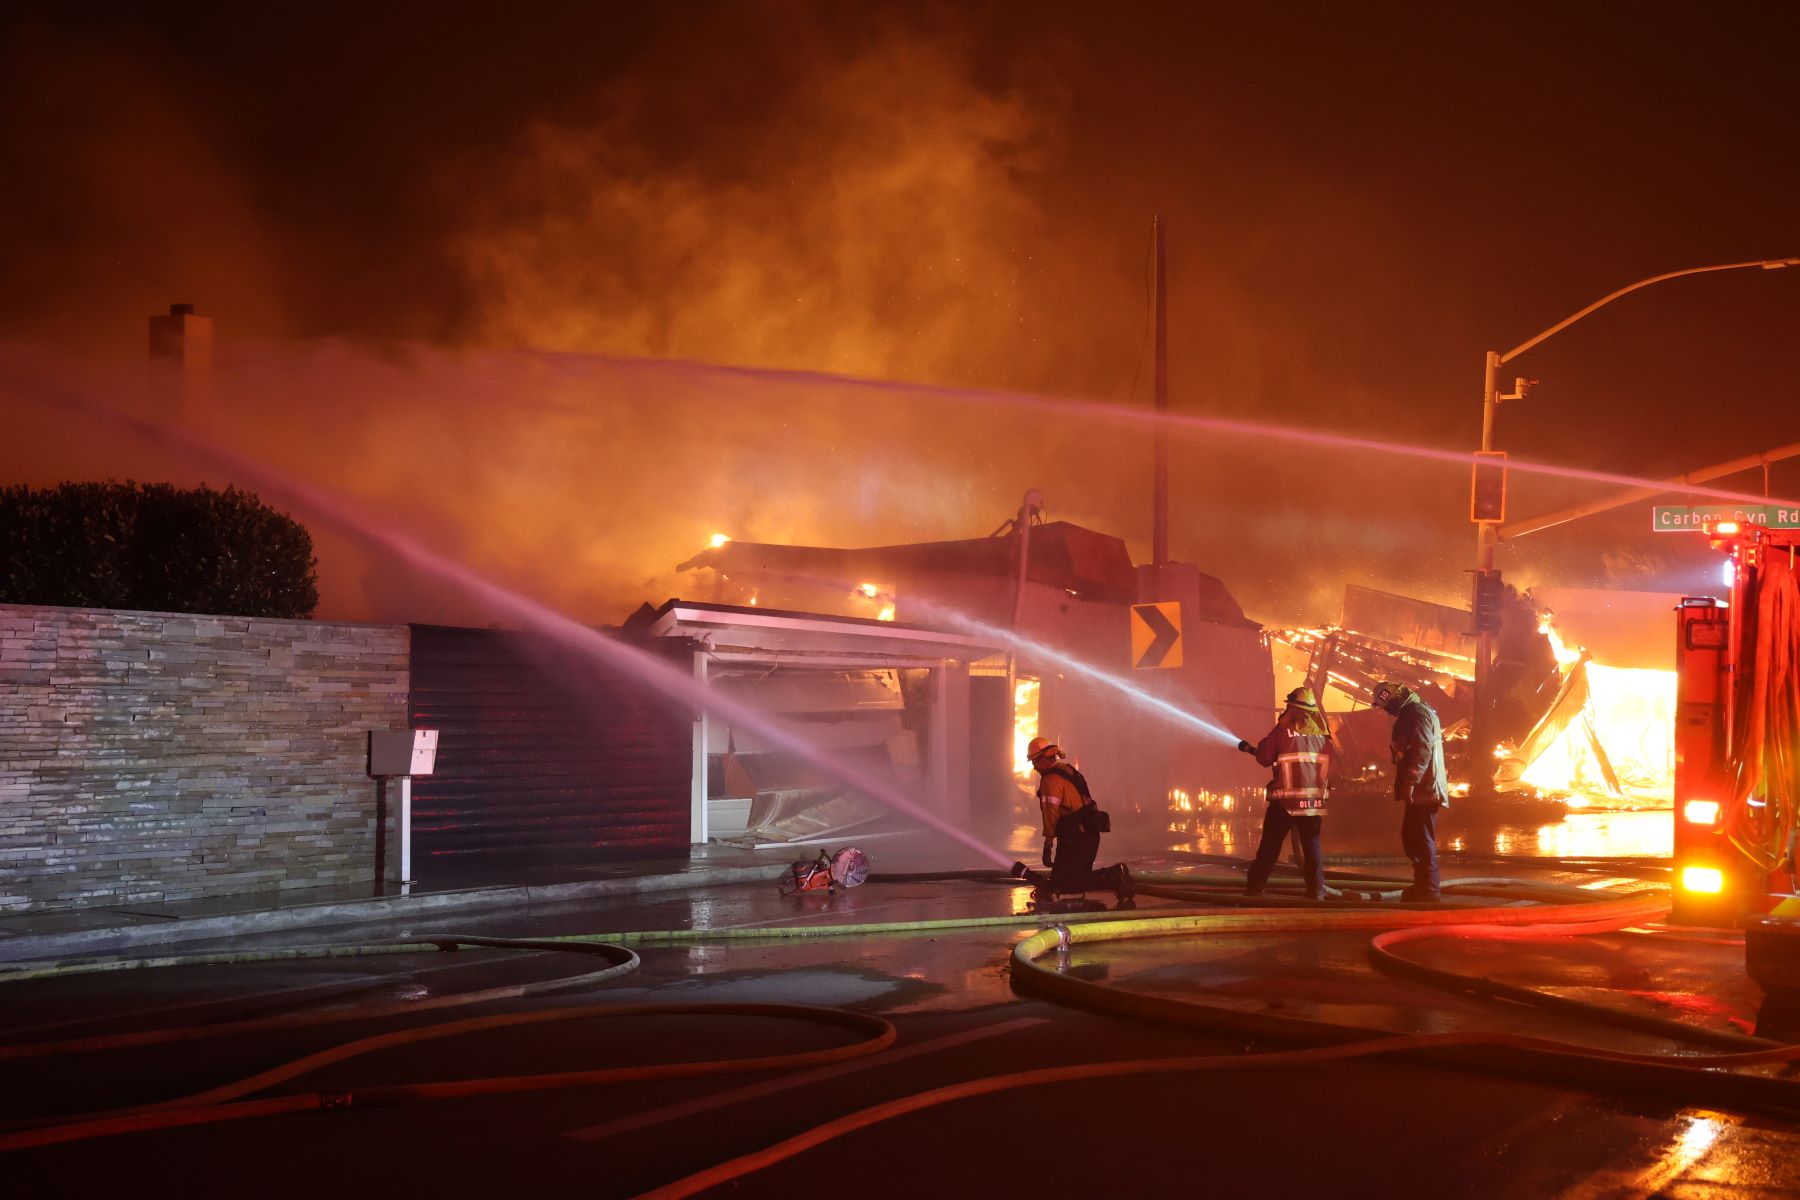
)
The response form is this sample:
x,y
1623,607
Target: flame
x,y
1566,656
1025,723
1630,715
877,594
1201,800
719,539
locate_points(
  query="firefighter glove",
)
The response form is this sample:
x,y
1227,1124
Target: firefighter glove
x,y
1048,843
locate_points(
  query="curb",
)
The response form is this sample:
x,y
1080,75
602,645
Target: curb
x,y
328,914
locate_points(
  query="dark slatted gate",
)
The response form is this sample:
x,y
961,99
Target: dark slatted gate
x,y
541,761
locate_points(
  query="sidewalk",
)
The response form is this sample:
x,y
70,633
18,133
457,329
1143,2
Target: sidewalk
x,y
68,933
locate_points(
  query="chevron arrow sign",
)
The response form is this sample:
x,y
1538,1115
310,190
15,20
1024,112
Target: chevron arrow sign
x,y
1156,635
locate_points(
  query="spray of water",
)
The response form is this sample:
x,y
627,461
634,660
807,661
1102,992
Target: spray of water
x,y
1041,652
1177,423
1155,706
566,633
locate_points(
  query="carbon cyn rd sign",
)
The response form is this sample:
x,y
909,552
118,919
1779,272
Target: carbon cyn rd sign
x,y
1692,518
1156,635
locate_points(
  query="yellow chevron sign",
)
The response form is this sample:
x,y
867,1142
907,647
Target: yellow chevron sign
x,y
1156,635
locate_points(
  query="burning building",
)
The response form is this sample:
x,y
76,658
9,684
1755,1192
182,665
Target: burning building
x,y
1065,596
1584,687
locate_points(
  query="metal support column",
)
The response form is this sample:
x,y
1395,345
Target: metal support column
x,y
406,877
697,792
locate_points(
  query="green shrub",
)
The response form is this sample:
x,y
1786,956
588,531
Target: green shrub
x,y
154,547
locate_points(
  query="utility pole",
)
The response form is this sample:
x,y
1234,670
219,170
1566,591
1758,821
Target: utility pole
x,y
1481,732
1481,728
1159,554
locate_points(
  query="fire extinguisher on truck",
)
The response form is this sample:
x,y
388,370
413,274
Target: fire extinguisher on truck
x,y
1737,753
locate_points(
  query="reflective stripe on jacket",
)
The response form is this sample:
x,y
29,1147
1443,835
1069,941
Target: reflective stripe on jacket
x,y
1302,763
1057,797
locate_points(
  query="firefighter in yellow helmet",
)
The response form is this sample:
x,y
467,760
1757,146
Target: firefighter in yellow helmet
x,y
1299,750
1073,824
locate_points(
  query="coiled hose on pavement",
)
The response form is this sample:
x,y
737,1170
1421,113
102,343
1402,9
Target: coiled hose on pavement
x,y
1691,1079
1695,1077
622,962
225,1103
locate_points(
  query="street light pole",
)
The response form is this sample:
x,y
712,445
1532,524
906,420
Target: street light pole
x,y
1479,725
1486,533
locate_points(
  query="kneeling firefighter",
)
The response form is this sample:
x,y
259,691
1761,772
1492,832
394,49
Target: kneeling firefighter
x,y
1073,824
1420,782
1299,749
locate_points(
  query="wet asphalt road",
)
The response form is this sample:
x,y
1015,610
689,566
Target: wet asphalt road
x,y
1364,1127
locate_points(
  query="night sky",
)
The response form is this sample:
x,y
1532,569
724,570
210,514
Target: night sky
x,y
1360,200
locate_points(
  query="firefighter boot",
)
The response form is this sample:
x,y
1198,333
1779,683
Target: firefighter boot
x,y
1422,890
1126,888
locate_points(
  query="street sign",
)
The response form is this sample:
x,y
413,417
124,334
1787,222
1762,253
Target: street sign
x,y
1156,635
1692,518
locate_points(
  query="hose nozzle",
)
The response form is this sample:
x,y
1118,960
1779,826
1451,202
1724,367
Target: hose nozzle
x,y
1020,870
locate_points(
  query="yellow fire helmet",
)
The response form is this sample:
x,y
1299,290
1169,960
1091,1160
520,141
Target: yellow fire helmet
x,y
1039,746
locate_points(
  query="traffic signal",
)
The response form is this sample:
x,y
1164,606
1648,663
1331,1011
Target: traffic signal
x,y
1490,598
1487,491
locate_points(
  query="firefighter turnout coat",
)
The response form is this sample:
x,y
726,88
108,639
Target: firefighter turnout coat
x,y
1302,763
1418,749
1058,796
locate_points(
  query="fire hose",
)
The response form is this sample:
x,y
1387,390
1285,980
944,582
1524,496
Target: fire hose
x,y
1694,1079
1502,1052
225,1103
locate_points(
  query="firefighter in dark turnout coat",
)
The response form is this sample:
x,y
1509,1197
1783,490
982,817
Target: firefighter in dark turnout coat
x,y
1420,782
1299,750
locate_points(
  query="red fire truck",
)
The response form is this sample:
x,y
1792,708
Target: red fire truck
x,y
1737,753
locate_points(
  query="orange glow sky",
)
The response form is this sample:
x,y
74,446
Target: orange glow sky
x,y
1360,203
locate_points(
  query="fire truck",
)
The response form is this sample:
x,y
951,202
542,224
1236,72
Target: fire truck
x,y
1737,753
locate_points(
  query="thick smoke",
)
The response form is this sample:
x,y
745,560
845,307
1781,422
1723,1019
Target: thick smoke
x,y
904,200
873,214
120,197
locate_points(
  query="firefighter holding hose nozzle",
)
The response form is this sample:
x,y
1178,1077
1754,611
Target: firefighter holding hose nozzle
x,y
1299,751
1073,824
1420,782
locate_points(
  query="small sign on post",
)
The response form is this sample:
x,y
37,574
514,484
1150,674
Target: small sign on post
x,y
1156,635
401,754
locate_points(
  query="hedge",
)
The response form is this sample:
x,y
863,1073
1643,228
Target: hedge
x,y
154,547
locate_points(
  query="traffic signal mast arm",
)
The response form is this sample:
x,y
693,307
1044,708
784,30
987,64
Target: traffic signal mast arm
x,y
1673,484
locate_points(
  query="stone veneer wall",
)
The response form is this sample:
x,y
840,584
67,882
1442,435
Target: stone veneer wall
x,y
149,757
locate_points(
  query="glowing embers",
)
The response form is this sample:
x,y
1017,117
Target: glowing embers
x,y
878,598
1026,695
1201,800
1202,821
